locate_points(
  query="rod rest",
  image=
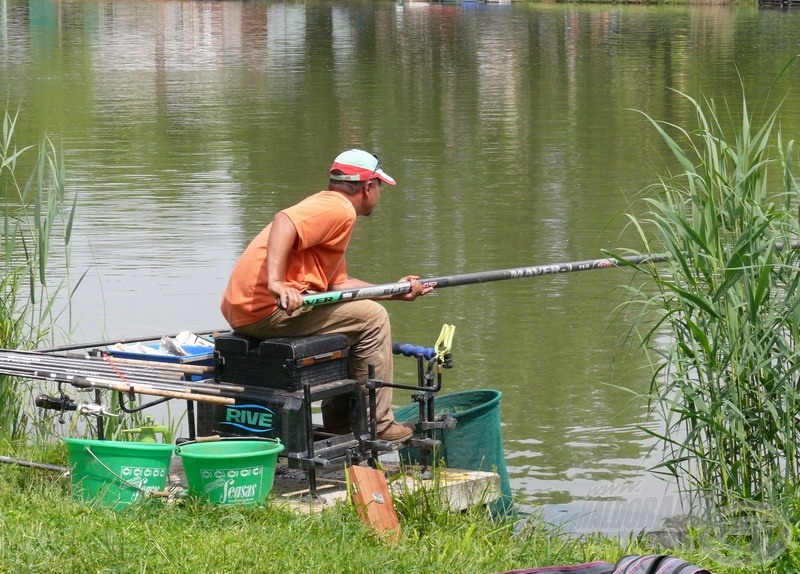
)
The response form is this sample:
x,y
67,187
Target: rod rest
x,y
409,350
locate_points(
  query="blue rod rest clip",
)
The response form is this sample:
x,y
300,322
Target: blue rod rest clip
x,y
409,350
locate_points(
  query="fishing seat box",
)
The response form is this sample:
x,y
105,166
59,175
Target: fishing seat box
x,y
285,363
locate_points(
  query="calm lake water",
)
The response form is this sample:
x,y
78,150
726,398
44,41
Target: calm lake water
x,y
510,129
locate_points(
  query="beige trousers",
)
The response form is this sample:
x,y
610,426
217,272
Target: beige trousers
x,y
365,323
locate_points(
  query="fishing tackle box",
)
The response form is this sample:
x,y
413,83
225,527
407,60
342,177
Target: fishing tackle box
x,y
285,363
270,413
281,378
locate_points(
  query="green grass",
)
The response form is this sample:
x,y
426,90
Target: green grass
x,y
43,530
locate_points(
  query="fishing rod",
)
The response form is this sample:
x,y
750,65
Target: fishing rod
x,y
189,369
24,361
185,394
147,371
97,368
76,346
401,287
32,464
173,391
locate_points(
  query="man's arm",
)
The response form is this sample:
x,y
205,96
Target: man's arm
x,y
282,237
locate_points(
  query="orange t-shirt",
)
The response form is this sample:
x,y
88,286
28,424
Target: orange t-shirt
x,y
324,224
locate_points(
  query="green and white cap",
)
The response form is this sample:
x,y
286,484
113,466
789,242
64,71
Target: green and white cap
x,y
358,165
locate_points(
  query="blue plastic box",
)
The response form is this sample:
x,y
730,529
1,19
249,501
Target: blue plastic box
x,y
198,355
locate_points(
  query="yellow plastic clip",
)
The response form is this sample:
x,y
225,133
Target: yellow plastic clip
x,y
445,341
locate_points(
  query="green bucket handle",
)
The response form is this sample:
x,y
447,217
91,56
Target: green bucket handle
x,y
124,482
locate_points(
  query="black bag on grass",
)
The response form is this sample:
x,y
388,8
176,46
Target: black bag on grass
x,y
633,564
588,568
656,564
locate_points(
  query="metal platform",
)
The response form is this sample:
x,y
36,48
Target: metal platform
x,y
461,489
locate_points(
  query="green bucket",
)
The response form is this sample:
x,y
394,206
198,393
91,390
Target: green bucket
x,y
113,474
230,471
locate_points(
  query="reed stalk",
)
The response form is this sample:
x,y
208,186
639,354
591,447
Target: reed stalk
x,y
36,219
727,307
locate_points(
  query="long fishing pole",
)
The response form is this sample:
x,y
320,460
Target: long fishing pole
x,y
76,346
151,374
32,464
173,391
186,368
400,287
125,368
188,395
83,367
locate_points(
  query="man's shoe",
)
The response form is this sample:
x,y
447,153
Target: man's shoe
x,y
396,433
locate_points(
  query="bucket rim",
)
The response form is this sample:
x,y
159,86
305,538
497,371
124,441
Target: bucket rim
x,y
118,444
233,439
276,447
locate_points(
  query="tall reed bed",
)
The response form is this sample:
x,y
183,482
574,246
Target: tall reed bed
x,y
36,220
727,306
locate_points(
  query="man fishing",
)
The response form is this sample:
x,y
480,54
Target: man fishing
x,y
303,251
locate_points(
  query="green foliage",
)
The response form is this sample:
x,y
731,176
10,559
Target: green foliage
x,y
33,219
727,308
42,530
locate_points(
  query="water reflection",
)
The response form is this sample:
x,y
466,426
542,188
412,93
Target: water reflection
x,y
186,125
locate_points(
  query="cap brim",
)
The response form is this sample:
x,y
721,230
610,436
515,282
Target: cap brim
x,y
358,173
385,177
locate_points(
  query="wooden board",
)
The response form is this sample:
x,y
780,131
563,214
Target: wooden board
x,y
373,501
